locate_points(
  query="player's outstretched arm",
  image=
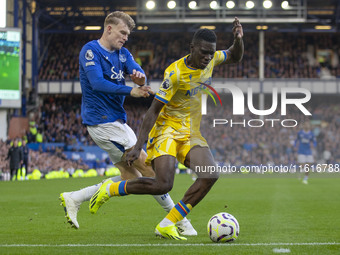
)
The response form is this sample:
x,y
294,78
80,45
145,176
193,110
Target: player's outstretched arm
x,y
148,122
237,49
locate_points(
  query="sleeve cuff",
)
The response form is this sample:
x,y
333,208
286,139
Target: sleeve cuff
x,y
161,99
127,90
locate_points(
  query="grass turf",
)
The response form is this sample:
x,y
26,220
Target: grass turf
x,y
273,211
9,72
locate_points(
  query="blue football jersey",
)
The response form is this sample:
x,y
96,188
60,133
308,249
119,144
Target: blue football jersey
x,y
305,139
102,79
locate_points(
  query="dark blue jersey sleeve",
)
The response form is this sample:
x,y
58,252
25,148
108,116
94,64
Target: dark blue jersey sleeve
x,y
89,60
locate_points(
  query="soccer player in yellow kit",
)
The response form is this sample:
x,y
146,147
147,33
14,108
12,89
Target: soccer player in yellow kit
x,y
172,128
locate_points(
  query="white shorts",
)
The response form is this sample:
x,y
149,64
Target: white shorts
x,y
304,159
114,138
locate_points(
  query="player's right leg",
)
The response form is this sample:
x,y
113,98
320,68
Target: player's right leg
x,y
162,183
307,169
71,201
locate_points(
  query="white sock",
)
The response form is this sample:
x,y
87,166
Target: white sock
x,y
165,222
116,178
85,194
165,201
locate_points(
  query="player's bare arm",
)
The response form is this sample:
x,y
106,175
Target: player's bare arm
x,y
237,49
148,122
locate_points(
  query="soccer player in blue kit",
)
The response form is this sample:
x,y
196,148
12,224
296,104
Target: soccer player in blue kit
x,y
103,65
304,140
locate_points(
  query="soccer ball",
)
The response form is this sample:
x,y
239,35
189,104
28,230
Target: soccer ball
x,y
223,227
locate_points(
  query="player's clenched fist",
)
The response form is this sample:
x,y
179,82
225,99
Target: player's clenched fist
x,y
144,91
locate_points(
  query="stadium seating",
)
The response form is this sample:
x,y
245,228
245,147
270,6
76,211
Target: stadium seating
x,y
287,55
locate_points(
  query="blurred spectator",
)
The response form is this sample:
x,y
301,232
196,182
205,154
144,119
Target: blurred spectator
x,y
25,154
4,165
15,157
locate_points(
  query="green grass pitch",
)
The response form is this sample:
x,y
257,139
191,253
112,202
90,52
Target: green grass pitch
x,y
9,72
275,212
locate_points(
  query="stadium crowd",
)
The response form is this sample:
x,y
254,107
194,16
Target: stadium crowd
x,y
287,55
59,121
44,161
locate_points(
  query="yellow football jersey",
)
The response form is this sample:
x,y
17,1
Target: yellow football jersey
x,y
181,92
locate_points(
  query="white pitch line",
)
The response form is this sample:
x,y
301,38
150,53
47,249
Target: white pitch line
x,y
165,245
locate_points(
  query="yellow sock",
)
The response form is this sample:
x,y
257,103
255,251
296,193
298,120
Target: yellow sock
x,y
118,189
178,212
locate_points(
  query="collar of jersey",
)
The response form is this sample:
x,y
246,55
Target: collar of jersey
x,y
185,62
104,47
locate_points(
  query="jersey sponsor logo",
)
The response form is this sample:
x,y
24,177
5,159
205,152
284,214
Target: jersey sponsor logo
x,y
171,73
202,85
91,63
89,55
165,84
117,76
122,58
194,91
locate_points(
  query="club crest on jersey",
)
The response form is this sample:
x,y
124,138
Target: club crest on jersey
x,y
89,55
122,58
165,84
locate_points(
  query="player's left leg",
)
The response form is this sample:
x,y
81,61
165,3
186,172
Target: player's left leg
x,y
184,226
307,167
198,157
13,174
